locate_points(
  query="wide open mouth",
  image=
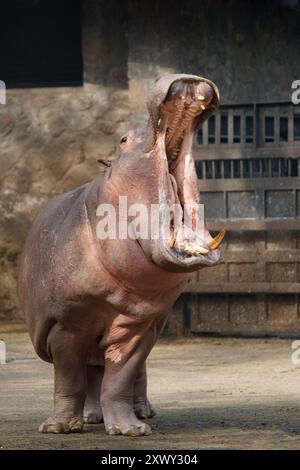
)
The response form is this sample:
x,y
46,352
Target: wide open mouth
x,y
180,115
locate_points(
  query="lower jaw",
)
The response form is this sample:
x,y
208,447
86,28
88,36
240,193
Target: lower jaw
x,y
173,260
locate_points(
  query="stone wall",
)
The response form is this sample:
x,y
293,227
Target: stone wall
x,y
49,143
50,138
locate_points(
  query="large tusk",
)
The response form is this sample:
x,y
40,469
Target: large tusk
x,y
216,242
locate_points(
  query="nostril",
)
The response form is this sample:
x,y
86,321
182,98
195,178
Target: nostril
x,y
204,92
123,140
176,90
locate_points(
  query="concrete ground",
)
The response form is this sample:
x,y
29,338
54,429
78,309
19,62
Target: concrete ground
x,y
210,393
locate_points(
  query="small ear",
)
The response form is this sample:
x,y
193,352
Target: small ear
x,y
103,163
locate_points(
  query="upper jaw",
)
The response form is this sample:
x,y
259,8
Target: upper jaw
x,y
160,93
179,113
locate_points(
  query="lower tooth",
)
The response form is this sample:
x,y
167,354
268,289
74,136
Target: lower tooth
x,y
202,251
199,250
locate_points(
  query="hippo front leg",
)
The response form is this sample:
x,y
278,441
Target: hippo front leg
x,y
69,360
142,407
122,364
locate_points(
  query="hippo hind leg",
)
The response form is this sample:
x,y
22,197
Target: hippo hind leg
x,y
69,360
92,412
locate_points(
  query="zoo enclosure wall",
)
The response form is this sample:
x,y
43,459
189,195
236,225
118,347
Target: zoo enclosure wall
x,y
50,139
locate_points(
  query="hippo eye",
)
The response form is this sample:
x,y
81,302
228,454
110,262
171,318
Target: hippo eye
x,y
123,140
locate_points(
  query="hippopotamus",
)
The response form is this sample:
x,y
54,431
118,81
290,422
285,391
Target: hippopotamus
x,y
95,305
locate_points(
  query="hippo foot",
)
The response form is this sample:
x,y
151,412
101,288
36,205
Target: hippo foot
x,y
61,425
128,426
144,410
129,429
92,416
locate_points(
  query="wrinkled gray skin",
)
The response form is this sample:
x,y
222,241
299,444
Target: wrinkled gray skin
x,y
94,308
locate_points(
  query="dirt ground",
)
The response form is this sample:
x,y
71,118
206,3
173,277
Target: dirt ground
x,y
210,393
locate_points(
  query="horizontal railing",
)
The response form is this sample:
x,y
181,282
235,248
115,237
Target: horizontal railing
x,y
260,126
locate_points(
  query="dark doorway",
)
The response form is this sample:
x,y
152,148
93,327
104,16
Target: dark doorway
x,y
40,43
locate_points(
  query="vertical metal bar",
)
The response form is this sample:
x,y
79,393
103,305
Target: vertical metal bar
x,y
243,127
263,127
226,204
255,126
205,133
291,124
279,166
289,166
230,126
222,169
217,128
276,125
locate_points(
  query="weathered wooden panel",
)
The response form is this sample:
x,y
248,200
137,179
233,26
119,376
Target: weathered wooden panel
x,y
240,241
244,312
281,241
211,310
216,274
242,205
241,272
256,314
281,272
214,204
282,311
280,203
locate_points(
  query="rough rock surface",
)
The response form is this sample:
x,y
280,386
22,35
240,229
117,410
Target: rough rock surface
x,y
49,143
